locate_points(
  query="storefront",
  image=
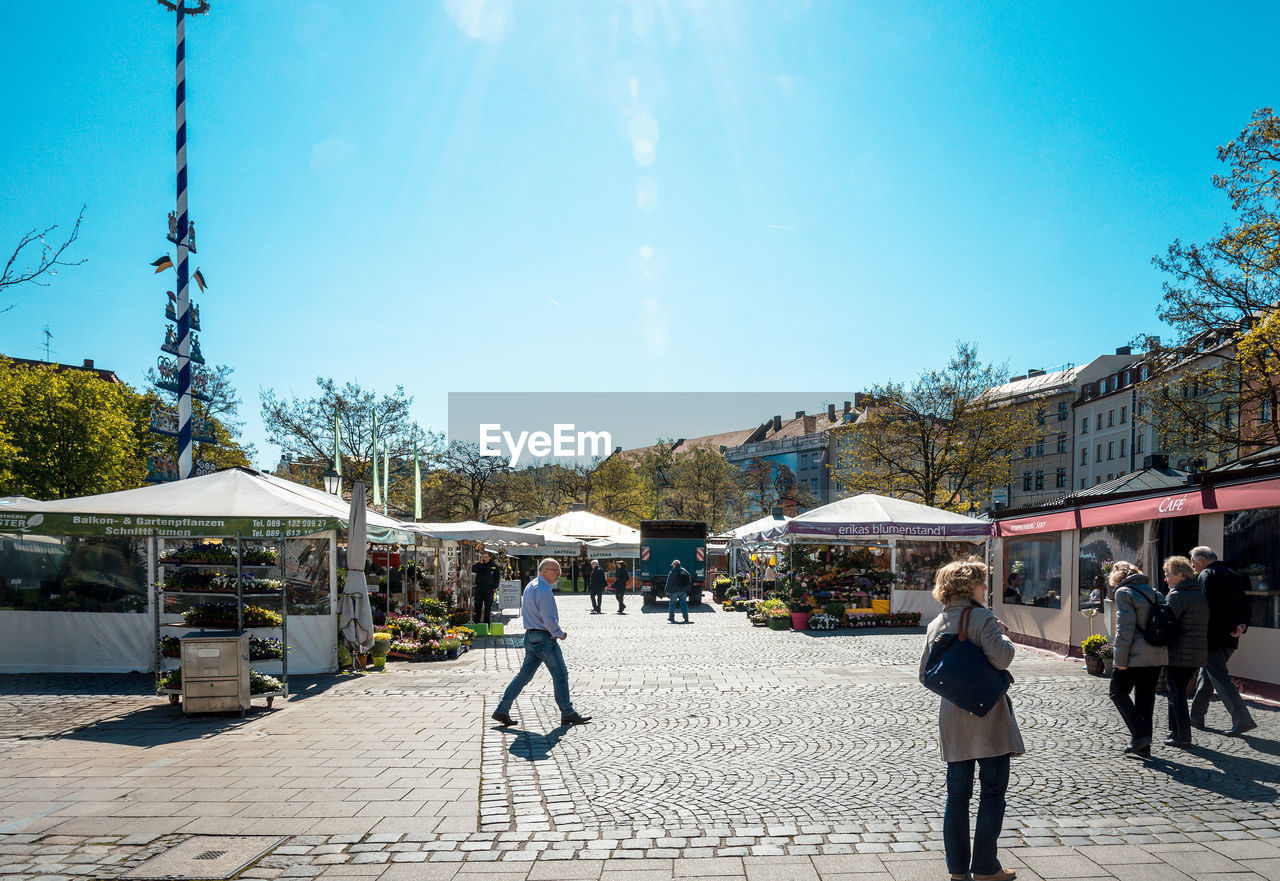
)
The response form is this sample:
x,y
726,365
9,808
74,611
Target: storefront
x,y
1050,566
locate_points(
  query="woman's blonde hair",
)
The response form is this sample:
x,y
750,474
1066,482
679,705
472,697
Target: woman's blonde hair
x,y
1122,570
958,579
1178,569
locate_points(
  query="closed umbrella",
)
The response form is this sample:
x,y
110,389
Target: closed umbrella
x,y
357,616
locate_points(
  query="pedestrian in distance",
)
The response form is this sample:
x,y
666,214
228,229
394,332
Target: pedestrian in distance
x,y
988,741
597,584
621,575
487,575
1228,621
542,631
1137,662
1191,647
677,589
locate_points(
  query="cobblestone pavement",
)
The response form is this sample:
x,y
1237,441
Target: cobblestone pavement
x,y
717,750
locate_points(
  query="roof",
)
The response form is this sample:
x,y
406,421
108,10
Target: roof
x,y
1138,481
586,526
87,366
1035,386
868,516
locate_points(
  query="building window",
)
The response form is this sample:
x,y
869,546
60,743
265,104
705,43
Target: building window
x,y
1084,482
1097,423
1084,425
1122,444
1039,480
1062,443
1102,387
1040,416
1026,451
1264,413
1124,414
1098,454
1110,477
1026,481
1142,442
1062,411
1111,450
1142,373
1060,478
1142,409
1039,446
1097,480
1033,573
1111,418
1084,455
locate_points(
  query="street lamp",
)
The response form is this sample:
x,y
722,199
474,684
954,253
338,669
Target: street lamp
x,y
331,480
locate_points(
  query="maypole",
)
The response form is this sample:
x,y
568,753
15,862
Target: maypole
x,y
182,234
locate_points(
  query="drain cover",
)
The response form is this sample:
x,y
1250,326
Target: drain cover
x,y
205,858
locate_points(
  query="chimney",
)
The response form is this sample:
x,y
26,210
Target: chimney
x,y
777,423
1016,378
776,511
1034,371
577,506
799,414
858,398
831,411
88,363
1156,460
1124,350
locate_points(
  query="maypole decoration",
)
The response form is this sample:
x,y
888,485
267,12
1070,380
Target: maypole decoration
x,y
176,375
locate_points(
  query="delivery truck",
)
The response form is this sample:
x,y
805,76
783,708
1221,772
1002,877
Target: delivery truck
x,y
662,541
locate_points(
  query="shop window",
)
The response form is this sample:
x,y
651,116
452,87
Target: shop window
x,y
1100,549
73,573
1251,546
1034,576
919,561
1039,480
1060,478
1062,443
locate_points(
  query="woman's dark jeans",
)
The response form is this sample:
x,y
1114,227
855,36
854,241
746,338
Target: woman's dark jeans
x,y
993,778
1177,679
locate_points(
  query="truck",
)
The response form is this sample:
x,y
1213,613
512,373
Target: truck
x,y
662,541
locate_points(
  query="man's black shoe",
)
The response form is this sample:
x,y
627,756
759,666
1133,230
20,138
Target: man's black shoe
x,y
1198,723
1173,741
504,719
671,620
575,719
687,621
1237,730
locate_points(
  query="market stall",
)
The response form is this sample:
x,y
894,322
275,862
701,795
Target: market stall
x,y
875,553
83,581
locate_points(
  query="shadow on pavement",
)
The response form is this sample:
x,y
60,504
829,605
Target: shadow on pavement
x,y
1236,777
98,684
534,747
162,725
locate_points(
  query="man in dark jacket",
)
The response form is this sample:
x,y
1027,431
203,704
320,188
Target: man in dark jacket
x,y
596,585
621,576
1228,620
487,577
677,590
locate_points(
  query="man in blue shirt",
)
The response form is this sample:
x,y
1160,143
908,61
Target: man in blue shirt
x,y
541,630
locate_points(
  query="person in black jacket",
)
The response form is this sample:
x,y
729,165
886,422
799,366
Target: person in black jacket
x,y
487,578
1228,620
596,585
621,576
1191,648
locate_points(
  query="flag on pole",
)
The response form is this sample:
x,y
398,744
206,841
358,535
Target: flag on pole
x,y
386,477
417,485
337,456
377,485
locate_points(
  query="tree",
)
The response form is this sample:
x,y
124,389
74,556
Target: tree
x,y
691,483
1220,373
941,442
768,484
303,428
471,487
18,271
71,433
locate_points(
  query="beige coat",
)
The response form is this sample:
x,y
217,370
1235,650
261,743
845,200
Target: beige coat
x,y
961,734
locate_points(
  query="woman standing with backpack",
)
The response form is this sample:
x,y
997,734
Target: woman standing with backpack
x,y
1137,661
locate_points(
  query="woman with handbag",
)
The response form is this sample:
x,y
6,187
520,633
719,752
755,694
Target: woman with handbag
x,y
1137,662
988,741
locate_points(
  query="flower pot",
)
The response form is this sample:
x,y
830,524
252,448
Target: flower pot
x,y
1108,665
451,654
1093,664
495,629
480,629
799,620
379,662
779,623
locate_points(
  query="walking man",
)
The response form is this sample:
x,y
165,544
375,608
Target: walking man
x,y
487,577
621,575
1228,620
541,631
678,584
597,585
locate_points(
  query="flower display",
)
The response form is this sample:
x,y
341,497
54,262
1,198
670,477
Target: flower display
x,y
169,681
170,647
265,648
261,683
823,621
224,615
1092,645
893,619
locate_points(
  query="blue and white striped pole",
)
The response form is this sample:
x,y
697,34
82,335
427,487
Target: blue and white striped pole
x,y
183,237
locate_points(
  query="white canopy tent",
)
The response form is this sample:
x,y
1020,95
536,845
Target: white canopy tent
x,y
586,526
226,504
622,548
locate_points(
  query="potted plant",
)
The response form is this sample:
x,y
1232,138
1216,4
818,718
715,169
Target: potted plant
x,y
1108,655
1091,646
381,645
776,614
800,612
720,588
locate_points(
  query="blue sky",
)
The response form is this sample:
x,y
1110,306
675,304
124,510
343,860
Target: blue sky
x,y
652,196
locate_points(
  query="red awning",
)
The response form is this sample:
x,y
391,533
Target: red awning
x,y
1179,504
1059,522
